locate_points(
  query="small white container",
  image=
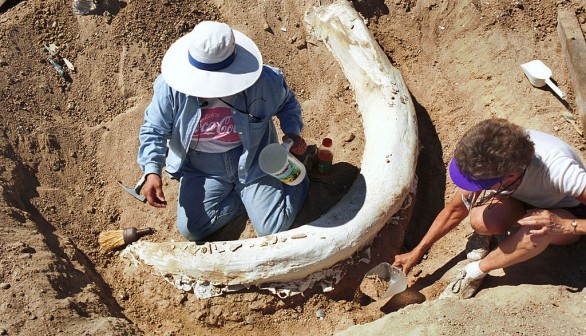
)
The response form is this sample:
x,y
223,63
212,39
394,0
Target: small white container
x,y
276,160
393,275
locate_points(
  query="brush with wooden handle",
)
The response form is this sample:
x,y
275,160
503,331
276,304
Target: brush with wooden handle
x,y
110,240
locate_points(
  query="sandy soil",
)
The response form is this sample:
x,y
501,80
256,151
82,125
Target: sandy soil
x,y
65,142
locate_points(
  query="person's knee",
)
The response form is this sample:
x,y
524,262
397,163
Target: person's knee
x,y
272,227
496,220
485,225
529,242
477,222
192,230
273,224
279,215
197,223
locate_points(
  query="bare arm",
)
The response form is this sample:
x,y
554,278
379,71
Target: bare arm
x,y
451,215
555,223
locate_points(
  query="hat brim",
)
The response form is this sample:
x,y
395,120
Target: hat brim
x,y
467,183
238,76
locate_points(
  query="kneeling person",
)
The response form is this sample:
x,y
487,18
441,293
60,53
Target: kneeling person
x,y
210,116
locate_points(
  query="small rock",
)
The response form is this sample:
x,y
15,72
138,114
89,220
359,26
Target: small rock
x,y
124,296
3,331
28,249
301,44
320,314
4,285
350,137
249,320
519,5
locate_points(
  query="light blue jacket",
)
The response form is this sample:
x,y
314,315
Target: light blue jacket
x,y
171,118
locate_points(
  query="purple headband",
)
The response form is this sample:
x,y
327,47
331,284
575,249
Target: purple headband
x,y
467,183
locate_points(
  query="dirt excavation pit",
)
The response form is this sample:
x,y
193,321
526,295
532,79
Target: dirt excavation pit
x,y
66,140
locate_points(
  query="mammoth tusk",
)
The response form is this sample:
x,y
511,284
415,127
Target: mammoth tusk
x,y
300,257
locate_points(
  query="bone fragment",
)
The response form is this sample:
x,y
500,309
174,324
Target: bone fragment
x,y
234,247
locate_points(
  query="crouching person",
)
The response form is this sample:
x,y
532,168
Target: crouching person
x,y
525,183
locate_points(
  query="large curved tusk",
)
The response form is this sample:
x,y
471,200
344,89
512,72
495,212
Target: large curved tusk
x,y
388,172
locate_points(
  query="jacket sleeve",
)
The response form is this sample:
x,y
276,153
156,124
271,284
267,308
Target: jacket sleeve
x,y
289,112
156,129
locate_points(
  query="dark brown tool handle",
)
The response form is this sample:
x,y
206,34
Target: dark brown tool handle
x,y
133,234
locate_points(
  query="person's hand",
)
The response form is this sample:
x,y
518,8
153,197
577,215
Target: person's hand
x,y
407,260
545,222
152,189
299,146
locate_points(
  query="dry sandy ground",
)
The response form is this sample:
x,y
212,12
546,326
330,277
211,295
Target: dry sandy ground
x,y
65,141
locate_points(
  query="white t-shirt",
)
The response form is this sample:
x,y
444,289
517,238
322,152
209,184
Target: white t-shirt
x,y
556,175
216,132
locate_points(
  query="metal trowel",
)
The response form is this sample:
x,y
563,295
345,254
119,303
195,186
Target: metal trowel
x,y
135,192
539,75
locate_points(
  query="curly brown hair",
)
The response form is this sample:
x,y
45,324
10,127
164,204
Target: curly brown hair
x,y
493,148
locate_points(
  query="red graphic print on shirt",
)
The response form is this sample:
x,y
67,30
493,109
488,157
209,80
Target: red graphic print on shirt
x,y
216,124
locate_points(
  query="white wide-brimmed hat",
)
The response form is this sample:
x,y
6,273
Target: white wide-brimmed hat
x,y
211,61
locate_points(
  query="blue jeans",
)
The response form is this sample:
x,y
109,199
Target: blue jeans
x,y
211,195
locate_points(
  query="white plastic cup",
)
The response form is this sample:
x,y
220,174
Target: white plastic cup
x,y
393,275
276,160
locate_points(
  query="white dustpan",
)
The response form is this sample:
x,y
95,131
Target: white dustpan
x,y
539,75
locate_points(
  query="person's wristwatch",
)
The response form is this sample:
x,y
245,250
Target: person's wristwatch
x,y
575,226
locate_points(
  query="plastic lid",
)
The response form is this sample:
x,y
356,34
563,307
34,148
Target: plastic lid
x,y
327,142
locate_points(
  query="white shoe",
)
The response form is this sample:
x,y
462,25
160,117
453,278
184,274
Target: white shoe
x,y
477,247
462,287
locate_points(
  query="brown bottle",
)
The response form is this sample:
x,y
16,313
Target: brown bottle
x,y
325,156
